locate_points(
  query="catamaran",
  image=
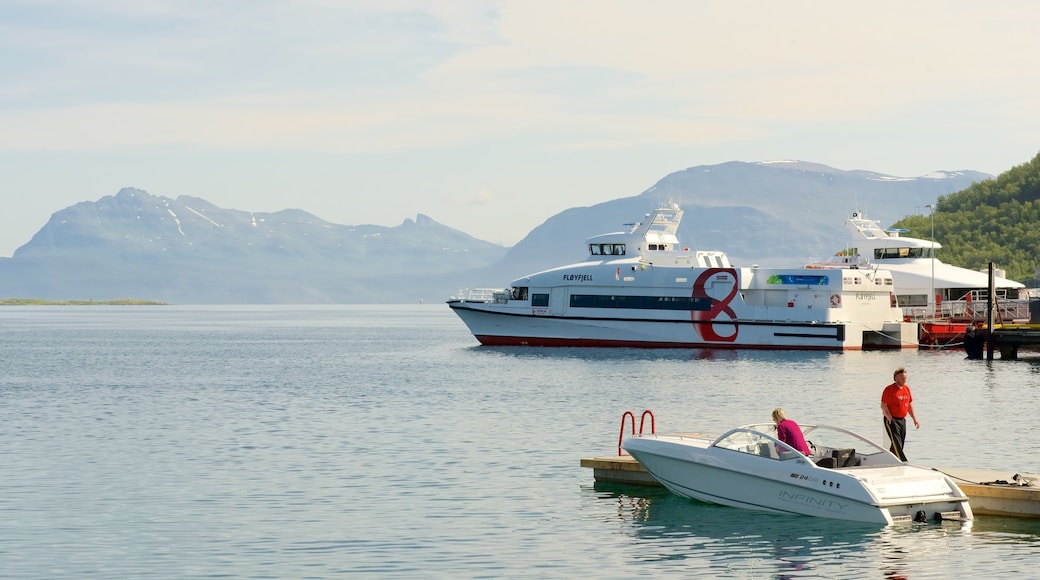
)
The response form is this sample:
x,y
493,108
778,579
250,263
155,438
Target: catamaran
x,y
642,288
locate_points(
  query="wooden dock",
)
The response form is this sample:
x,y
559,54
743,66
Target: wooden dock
x,y
1009,338
990,493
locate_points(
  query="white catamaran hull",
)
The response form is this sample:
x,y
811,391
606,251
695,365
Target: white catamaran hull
x,y
503,328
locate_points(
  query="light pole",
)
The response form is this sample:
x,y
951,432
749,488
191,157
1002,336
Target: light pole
x,y
931,297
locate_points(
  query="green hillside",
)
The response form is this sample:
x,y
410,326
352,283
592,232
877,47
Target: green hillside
x,y
996,220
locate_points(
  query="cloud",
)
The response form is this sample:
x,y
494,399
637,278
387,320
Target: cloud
x,y
581,75
483,196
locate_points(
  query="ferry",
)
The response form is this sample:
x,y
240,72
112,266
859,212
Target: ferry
x,y
641,288
943,298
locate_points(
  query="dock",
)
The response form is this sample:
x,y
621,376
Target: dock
x,y
1009,338
990,493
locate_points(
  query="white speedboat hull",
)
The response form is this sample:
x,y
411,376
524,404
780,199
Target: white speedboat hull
x,y
880,490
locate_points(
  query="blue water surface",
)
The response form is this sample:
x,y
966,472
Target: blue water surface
x,y
324,441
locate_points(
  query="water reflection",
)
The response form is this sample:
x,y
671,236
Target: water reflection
x,y
998,529
723,541
587,354
714,354
654,354
727,539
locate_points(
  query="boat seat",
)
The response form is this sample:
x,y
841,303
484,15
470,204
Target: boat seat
x,y
844,457
839,458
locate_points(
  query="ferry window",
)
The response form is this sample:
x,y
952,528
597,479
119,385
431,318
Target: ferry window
x,y
889,253
629,301
539,299
582,301
718,261
619,249
653,246
906,300
641,302
519,293
606,249
594,249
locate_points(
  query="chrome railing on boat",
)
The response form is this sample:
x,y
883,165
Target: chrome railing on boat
x,y
969,311
482,295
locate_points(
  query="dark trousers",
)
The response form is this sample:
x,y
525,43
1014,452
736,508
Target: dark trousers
x,y
896,429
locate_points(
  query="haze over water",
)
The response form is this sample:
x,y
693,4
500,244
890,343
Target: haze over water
x,y
283,442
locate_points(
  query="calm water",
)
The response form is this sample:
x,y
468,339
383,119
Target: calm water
x,y
292,442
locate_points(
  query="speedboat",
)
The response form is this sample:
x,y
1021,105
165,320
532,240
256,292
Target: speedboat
x,y
643,288
847,476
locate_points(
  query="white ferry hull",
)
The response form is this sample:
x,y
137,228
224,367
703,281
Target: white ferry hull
x,y
502,328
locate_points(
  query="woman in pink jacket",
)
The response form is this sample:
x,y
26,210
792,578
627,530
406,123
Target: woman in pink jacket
x,y
789,432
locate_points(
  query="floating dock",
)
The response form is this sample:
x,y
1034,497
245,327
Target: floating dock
x,y
1009,338
991,493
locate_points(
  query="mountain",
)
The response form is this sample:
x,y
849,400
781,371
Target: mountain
x,y
189,251
768,213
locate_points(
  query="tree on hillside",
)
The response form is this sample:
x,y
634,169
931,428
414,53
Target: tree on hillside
x,y
996,220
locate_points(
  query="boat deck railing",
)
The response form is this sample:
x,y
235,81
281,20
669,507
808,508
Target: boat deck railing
x,y
969,311
478,294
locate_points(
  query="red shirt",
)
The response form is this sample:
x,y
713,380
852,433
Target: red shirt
x,y
897,399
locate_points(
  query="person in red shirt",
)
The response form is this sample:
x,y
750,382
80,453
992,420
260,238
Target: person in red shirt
x,y
896,404
789,432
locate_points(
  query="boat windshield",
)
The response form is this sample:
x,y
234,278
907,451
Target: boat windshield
x,y
838,438
607,249
822,439
755,442
891,253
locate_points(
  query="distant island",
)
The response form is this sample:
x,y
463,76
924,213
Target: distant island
x,y
41,302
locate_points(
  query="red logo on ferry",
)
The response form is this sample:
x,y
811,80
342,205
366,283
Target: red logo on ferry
x,y
719,305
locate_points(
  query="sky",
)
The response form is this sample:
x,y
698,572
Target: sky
x,y
491,116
